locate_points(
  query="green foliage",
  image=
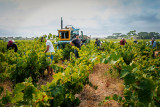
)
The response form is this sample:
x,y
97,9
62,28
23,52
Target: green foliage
x,y
66,51
28,61
58,55
6,98
133,62
138,69
1,89
66,83
25,94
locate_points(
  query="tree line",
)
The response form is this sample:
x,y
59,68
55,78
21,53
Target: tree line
x,y
133,34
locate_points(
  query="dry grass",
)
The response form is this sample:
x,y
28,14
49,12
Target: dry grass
x,y
107,86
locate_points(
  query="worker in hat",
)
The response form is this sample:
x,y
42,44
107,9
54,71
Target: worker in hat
x,y
12,45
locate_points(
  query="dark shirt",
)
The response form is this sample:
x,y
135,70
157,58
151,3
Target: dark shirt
x,y
97,42
14,46
135,41
77,43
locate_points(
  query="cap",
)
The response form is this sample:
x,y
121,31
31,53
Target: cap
x,y
10,43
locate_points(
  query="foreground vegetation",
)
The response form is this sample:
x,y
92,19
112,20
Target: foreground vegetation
x,y
134,63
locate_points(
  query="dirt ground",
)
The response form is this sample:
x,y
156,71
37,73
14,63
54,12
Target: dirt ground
x,y
107,86
7,85
44,80
60,63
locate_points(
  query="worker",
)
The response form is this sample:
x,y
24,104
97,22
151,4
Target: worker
x,y
77,43
50,50
12,45
135,41
153,42
97,42
123,41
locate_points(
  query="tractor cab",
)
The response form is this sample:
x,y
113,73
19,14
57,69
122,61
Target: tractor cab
x,y
64,34
68,33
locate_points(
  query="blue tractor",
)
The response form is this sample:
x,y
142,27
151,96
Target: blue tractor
x,y
67,34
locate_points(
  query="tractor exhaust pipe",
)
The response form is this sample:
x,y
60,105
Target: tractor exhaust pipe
x,y
82,34
61,23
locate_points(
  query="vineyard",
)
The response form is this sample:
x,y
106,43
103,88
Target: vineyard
x,y
134,64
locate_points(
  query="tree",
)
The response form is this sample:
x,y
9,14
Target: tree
x,y
116,34
154,34
131,33
49,36
143,35
150,35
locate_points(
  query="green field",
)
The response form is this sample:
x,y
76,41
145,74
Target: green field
x,y
134,63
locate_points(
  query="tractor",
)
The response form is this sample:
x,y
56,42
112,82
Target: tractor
x,y
67,34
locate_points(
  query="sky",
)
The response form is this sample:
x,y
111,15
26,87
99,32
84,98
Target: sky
x,y
98,18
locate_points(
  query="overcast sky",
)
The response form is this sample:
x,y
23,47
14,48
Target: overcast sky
x,y
94,17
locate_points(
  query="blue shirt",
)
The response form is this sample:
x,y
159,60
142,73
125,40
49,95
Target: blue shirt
x,y
154,44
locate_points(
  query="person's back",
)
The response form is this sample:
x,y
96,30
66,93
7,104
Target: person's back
x,y
97,42
122,42
51,48
12,45
77,43
153,43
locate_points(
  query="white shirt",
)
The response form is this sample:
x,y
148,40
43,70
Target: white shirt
x,y
51,48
